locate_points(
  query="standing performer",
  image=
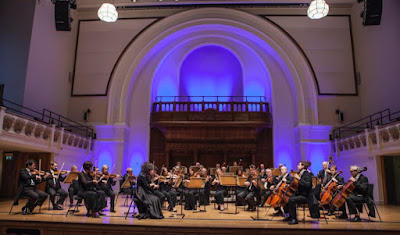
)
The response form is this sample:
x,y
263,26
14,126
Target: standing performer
x,y
149,204
53,186
220,191
29,177
95,199
303,194
106,185
360,194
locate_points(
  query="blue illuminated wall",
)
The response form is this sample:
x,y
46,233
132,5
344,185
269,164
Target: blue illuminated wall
x,y
211,71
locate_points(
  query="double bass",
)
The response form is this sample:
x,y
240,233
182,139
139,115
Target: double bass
x,y
328,190
347,189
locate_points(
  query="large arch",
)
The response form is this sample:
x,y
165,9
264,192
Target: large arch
x,y
286,66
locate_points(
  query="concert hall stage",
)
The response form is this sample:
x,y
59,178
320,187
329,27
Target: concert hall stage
x,y
209,222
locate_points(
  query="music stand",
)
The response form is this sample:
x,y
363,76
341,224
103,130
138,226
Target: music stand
x,y
127,184
212,171
234,169
229,181
197,183
70,177
195,168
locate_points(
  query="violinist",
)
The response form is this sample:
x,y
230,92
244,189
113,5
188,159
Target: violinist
x,y
303,194
106,185
239,189
360,194
322,177
73,187
190,200
53,186
29,177
207,187
95,199
247,196
340,182
217,166
220,191
148,203
223,169
166,189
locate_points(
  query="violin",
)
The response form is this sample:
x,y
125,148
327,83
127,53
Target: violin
x,y
60,172
328,190
347,189
110,176
94,174
37,172
253,177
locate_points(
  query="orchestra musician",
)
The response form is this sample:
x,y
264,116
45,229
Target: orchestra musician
x,y
205,192
247,196
148,203
217,166
95,199
267,181
360,194
339,180
239,189
166,189
29,177
223,169
190,199
303,194
73,187
106,185
129,191
275,182
322,176
53,186
220,191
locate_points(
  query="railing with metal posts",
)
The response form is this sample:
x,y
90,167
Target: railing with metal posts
x,y
202,103
383,117
49,117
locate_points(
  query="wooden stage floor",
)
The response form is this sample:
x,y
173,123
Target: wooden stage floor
x,y
210,222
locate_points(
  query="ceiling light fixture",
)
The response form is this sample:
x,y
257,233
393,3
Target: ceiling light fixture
x,y
107,13
317,9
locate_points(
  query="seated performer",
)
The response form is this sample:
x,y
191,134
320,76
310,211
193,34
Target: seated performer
x,y
148,203
220,191
303,194
129,190
247,196
276,181
322,176
190,199
340,182
239,189
29,177
207,188
360,194
166,189
95,199
53,186
267,180
73,187
106,185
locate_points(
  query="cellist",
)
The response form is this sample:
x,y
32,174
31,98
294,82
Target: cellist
x,y
303,194
339,180
360,194
276,182
322,176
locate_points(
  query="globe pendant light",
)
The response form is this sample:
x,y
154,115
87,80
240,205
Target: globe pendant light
x,y
317,9
108,13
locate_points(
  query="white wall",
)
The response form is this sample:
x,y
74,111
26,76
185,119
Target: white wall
x,y
377,51
14,46
51,57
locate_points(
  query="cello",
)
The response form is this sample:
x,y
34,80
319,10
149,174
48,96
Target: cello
x,y
328,190
276,197
289,190
347,189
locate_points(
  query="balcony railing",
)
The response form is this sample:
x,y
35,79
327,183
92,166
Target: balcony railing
x,y
218,103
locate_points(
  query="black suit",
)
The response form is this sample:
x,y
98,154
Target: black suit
x,y
304,195
27,187
360,195
53,188
247,196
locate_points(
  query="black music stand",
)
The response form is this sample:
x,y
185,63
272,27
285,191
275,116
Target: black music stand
x,y
261,185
